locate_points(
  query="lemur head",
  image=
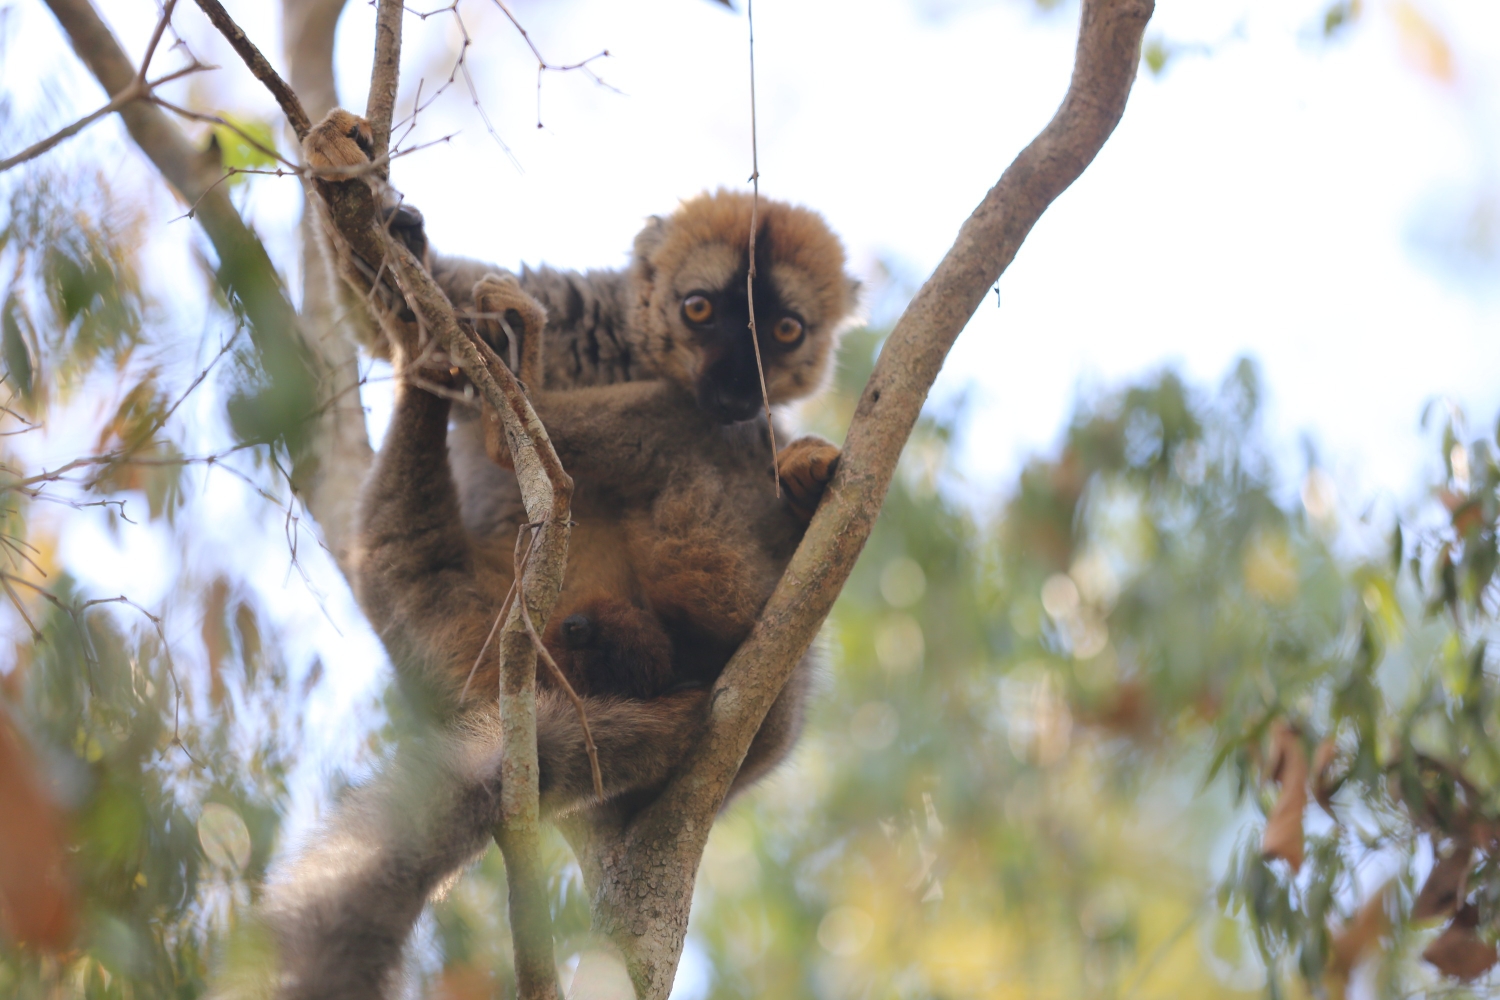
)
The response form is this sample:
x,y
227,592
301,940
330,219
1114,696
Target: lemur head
x,y
689,298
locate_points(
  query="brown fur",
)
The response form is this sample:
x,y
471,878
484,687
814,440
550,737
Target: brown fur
x,y
679,542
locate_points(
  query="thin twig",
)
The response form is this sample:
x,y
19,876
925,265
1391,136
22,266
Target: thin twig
x,y
750,274
161,26
559,676
499,619
543,66
134,92
250,140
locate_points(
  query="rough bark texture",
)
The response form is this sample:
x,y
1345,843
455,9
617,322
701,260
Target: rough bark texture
x,y
642,874
384,75
258,64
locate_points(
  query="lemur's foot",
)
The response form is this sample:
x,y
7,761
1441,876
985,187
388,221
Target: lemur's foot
x,y
341,139
806,465
512,322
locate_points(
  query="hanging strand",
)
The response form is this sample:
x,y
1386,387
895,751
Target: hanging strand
x,y
750,274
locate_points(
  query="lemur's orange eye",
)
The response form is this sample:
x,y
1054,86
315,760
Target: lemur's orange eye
x,y
788,330
697,309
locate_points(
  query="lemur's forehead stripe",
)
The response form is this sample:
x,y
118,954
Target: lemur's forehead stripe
x,y
713,267
706,241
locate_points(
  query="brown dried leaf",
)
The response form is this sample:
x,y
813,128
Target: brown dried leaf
x,y
216,637
36,897
1288,767
1422,43
1446,884
464,982
1459,951
1353,941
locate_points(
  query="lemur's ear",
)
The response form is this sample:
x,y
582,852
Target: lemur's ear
x,y
652,235
855,287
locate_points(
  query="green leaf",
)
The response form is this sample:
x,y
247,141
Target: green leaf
x,y
1156,53
13,346
243,144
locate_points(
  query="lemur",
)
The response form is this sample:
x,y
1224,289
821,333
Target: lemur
x,y
653,406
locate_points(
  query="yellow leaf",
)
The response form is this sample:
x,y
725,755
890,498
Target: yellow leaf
x,y
1422,43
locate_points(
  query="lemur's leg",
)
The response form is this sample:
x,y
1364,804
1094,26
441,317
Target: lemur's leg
x,y
806,465
430,592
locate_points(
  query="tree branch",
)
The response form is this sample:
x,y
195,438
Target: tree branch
x,y
385,73
259,65
546,492
644,880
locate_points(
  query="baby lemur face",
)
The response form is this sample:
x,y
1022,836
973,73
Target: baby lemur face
x,y
688,278
607,646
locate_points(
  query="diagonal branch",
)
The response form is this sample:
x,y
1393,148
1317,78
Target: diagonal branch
x,y
259,65
645,876
546,491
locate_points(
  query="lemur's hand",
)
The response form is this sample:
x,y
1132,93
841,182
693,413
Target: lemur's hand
x,y
341,139
806,465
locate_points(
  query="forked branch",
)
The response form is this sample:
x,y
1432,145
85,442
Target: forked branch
x,y
645,877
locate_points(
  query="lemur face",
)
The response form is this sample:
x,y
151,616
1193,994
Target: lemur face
x,y
605,646
690,280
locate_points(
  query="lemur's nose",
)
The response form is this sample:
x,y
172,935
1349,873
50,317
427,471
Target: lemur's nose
x,y
577,631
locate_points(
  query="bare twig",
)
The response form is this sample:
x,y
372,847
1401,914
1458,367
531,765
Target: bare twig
x,y
250,140
259,65
161,26
557,674
134,92
760,369
543,66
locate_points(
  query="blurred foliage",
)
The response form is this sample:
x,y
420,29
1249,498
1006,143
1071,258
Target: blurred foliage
x,y
141,782
1160,720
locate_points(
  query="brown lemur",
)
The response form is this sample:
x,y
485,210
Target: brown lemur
x,y
652,400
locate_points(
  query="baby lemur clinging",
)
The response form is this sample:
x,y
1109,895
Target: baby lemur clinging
x,y
652,400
